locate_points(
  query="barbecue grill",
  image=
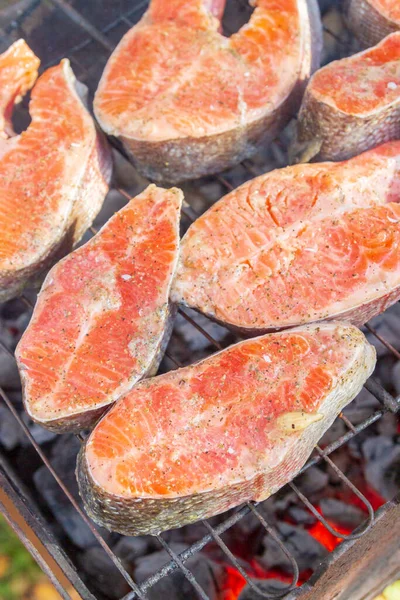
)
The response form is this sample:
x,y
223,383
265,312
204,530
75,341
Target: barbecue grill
x,y
87,32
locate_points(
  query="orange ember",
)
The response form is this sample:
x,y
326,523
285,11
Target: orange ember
x,y
234,582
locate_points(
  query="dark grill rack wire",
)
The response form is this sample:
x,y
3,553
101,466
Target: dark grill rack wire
x,y
388,402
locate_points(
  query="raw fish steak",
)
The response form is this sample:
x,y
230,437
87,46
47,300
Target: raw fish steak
x,y
18,72
300,244
103,317
351,105
235,427
187,101
372,20
53,177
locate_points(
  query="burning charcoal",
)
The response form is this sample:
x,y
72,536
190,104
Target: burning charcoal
x,y
10,432
63,460
306,550
103,574
341,513
176,585
265,585
128,549
301,515
313,480
382,465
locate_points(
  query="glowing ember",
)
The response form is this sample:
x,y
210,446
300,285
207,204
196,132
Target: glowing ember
x,y
234,582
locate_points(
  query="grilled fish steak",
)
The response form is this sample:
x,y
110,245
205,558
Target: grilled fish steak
x,y
103,317
372,20
297,245
187,101
53,177
235,427
351,105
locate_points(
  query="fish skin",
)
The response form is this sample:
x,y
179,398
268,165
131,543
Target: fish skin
x,y
103,317
335,124
53,179
372,20
301,244
128,491
184,130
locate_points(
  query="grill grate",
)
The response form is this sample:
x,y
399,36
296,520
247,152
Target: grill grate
x,y
102,37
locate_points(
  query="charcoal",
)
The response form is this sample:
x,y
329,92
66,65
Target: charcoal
x,y
388,424
280,501
9,377
264,585
10,432
12,309
41,435
395,379
362,407
187,342
382,465
63,459
176,586
103,574
342,513
306,550
128,548
301,515
313,480
387,325
333,433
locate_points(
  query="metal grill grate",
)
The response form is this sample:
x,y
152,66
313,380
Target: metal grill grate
x,y
88,34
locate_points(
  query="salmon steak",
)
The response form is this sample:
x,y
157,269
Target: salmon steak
x,y
351,105
103,318
372,20
18,72
232,428
296,245
187,101
53,176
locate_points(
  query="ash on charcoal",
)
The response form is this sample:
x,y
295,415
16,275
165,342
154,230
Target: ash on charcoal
x,y
103,574
301,516
63,460
176,586
382,465
306,550
342,513
265,585
313,480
